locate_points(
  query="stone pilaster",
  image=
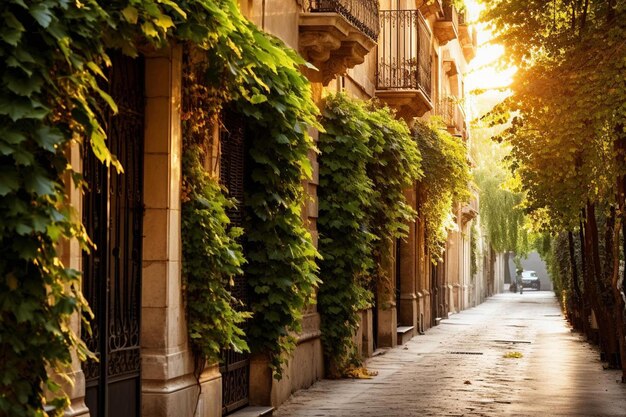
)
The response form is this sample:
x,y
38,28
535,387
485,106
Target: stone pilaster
x,y
169,386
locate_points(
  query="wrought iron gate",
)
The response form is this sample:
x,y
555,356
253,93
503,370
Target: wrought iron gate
x,y
113,217
235,367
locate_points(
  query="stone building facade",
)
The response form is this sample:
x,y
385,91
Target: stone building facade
x,y
411,55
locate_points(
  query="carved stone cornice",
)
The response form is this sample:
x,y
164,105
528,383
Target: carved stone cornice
x,y
445,31
430,8
450,67
468,41
446,28
408,104
332,44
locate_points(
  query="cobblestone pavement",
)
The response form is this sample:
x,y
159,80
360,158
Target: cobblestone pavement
x,y
458,369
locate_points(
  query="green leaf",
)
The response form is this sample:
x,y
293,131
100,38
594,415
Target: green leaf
x,y
12,32
42,14
9,181
149,30
38,183
24,86
258,98
48,138
164,22
131,14
174,6
22,108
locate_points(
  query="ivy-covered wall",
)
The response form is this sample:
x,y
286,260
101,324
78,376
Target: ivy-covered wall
x,y
367,158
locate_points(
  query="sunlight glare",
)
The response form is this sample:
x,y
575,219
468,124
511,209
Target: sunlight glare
x,y
483,73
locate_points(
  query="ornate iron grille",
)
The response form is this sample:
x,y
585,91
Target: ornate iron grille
x,y
361,13
235,367
462,16
404,60
113,216
446,110
451,111
232,159
450,13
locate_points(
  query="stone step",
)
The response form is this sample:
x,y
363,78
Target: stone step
x,y
405,333
252,411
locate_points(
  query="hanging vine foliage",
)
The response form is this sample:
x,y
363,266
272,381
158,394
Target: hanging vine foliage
x,y
211,254
367,159
258,76
395,166
446,182
281,268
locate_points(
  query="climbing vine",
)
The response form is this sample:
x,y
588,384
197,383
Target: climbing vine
x,y
446,182
281,268
367,159
474,255
212,255
258,76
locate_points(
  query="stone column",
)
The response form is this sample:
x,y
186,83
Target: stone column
x,y
169,387
71,255
408,272
386,305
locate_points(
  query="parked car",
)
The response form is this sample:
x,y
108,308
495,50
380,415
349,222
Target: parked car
x,y
530,279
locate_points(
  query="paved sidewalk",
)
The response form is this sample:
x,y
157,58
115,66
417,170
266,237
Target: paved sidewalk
x,y
458,369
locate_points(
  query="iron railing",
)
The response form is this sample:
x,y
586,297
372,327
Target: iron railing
x,y
361,13
462,16
451,112
450,14
404,59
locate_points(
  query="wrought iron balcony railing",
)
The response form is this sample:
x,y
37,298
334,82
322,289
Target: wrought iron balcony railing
x,y
452,113
446,28
462,16
404,59
450,13
363,14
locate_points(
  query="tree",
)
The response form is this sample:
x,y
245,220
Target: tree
x,y
567,134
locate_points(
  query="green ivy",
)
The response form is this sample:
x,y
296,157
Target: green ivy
x,y
281,269
212,257
446,182
367,159
474,255
258,76
50,54
211,254
394,168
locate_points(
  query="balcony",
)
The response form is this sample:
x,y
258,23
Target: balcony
x,y
403,78
453,115
467,37
430,8
336,35
447,27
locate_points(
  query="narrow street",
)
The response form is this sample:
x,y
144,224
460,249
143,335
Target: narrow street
x,y
459,369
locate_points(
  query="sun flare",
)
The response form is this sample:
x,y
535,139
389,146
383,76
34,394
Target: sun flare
x,y
483,71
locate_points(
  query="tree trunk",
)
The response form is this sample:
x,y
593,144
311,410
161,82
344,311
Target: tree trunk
x,y
576,304
583,262
618,310
507,270
606,323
